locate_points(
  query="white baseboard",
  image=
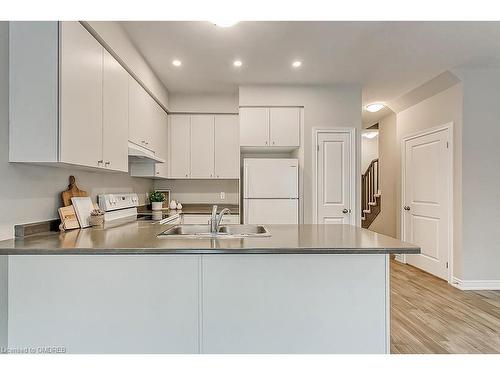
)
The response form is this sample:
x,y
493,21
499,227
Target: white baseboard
x,y
400,258
475,284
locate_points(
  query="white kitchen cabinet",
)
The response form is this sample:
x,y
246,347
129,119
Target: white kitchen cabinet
x,y
161,169
80,97
114,114
180,146
266,128
254,127
227,147
284,127
155,170
69,98
140,115
202,146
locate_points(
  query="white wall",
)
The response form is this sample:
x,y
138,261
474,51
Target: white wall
x,y
369,151
201,191
385,222
481,174
324,107
31,193
116,38
437,110
203,103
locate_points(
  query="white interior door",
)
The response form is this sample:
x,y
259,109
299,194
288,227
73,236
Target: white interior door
x,y
426,190
333,178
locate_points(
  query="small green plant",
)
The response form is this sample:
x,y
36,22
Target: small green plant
x,y
156,196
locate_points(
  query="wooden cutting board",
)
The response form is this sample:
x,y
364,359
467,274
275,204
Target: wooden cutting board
x,y
68,218
73,191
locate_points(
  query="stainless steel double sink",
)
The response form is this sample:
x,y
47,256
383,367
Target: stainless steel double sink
x,y
224,231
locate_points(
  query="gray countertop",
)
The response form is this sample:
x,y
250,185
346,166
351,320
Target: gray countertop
x,y
140,237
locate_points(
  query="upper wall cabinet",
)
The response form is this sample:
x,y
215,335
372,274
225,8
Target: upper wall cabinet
x,y
270,127
180,146
227,149
158,125
142,112
204,146
68,98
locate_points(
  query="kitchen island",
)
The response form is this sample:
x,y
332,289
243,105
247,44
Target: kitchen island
x,y
122,289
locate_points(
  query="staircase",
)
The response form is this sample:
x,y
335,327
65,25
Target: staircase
x,y
370,194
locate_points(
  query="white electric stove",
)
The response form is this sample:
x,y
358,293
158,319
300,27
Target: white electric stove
x,y
123,206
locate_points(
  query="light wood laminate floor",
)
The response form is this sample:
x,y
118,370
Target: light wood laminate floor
x,y
430,316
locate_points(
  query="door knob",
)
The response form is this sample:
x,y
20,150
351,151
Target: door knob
x,y
345,211
406,208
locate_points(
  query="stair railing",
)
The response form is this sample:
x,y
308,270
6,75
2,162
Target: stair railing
x,y
369,185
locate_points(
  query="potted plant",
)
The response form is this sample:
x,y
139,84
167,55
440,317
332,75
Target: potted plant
x,y
157,198
96,217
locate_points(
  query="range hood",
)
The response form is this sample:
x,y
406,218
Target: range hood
x,y
142,154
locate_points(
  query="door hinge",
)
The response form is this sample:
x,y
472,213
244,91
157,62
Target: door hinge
x,y
447,266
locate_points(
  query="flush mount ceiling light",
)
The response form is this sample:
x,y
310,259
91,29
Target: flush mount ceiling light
x,y
374,107
237,63
224,23
369,135
297,64
176,62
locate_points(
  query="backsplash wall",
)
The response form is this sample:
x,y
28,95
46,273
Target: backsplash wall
x,y
201,191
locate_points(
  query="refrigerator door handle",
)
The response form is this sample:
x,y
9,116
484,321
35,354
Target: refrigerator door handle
x,y
245,174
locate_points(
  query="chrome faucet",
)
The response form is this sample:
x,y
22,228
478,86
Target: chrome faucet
x,y
216,219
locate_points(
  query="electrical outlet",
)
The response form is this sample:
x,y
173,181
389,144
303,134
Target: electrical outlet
x,y
222,195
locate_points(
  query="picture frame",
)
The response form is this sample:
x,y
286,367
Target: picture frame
x,y
167,197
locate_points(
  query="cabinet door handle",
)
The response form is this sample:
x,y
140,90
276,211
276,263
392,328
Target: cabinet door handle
x,y
107,163
273,143
266,143
99,162
186,175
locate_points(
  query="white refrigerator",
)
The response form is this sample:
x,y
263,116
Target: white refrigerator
x,y
270,191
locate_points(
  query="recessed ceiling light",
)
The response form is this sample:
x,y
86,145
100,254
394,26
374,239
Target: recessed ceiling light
x,y
224,23
374,107
297,64
370,135
237,63
176,62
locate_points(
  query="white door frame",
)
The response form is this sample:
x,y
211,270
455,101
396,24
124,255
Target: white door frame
x,y
448,126
354,159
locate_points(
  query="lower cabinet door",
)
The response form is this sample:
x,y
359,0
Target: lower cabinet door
x,y
104,303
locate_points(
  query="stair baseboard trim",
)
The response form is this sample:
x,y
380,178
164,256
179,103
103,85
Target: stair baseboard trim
x,y
475,284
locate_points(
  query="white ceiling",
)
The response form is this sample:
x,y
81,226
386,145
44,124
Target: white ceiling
x,y
387,58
